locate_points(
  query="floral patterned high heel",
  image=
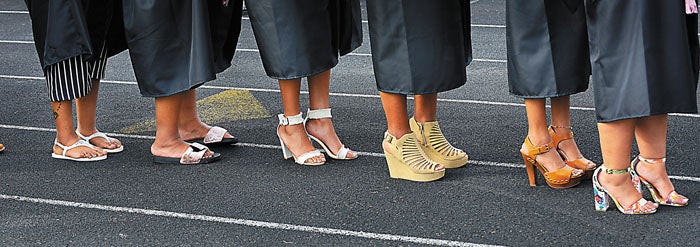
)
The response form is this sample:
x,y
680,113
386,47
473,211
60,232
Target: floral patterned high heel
x,y
672,199
602,196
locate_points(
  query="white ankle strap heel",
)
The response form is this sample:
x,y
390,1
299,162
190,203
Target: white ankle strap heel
x,y
302,159
342,153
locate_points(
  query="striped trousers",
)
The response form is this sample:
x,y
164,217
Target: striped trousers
x,y
72,78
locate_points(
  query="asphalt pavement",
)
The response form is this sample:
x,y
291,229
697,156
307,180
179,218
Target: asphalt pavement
x,y
253,197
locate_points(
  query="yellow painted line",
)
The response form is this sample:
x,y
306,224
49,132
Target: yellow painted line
x,y
227,106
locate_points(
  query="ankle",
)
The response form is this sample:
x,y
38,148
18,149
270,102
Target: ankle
x,y
615,180
561,128
398,133
539,139
87,131
67,140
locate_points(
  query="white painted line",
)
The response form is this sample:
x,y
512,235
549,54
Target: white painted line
x,y
13,12
242,222
16,42
267,146
351,95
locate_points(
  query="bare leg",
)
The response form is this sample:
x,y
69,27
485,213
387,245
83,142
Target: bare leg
x,y
190,125
539,135
616,144
65,132
425,108
168,142
319,90
294,136
651,139
396,113
561,118
86,111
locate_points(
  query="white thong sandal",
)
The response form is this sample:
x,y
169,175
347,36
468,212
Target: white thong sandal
x,y
79,143
102,135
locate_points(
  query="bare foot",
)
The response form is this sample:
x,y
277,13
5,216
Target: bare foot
x,y
196,130
620,187
550,160
173,149
294,137
324,131
571,150
656,175
111,143
78,152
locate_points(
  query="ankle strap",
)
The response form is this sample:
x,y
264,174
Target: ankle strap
x,y
561,127
536,150
653,161
614,171
292,120
318,114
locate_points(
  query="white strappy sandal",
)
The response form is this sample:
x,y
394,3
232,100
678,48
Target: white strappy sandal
x,y
79,143
302,159
101,135
341,154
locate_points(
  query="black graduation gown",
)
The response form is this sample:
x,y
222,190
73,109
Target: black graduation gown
x,y
419,46
176,46
302,38
64,29
547,45
644,57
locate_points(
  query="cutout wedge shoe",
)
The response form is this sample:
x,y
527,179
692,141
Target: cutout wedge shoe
x,y
406,159
602,196
303,159
559,179
435,146
340,154
672,199
582,163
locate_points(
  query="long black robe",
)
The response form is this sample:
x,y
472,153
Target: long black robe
x,y
176,46
644,57
547,45
419,46
68,28
301,38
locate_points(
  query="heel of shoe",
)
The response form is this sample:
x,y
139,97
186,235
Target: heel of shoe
x,y
602,200
286,153
530,168
398,169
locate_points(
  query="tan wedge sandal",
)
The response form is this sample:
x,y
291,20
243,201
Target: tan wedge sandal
x,y
435,146
406,159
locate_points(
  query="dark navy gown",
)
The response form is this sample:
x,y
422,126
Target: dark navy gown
x,y
419,46
301,38
176,46
644,57
547,44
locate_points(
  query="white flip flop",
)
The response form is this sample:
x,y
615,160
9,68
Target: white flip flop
x,y
79,143
101,135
